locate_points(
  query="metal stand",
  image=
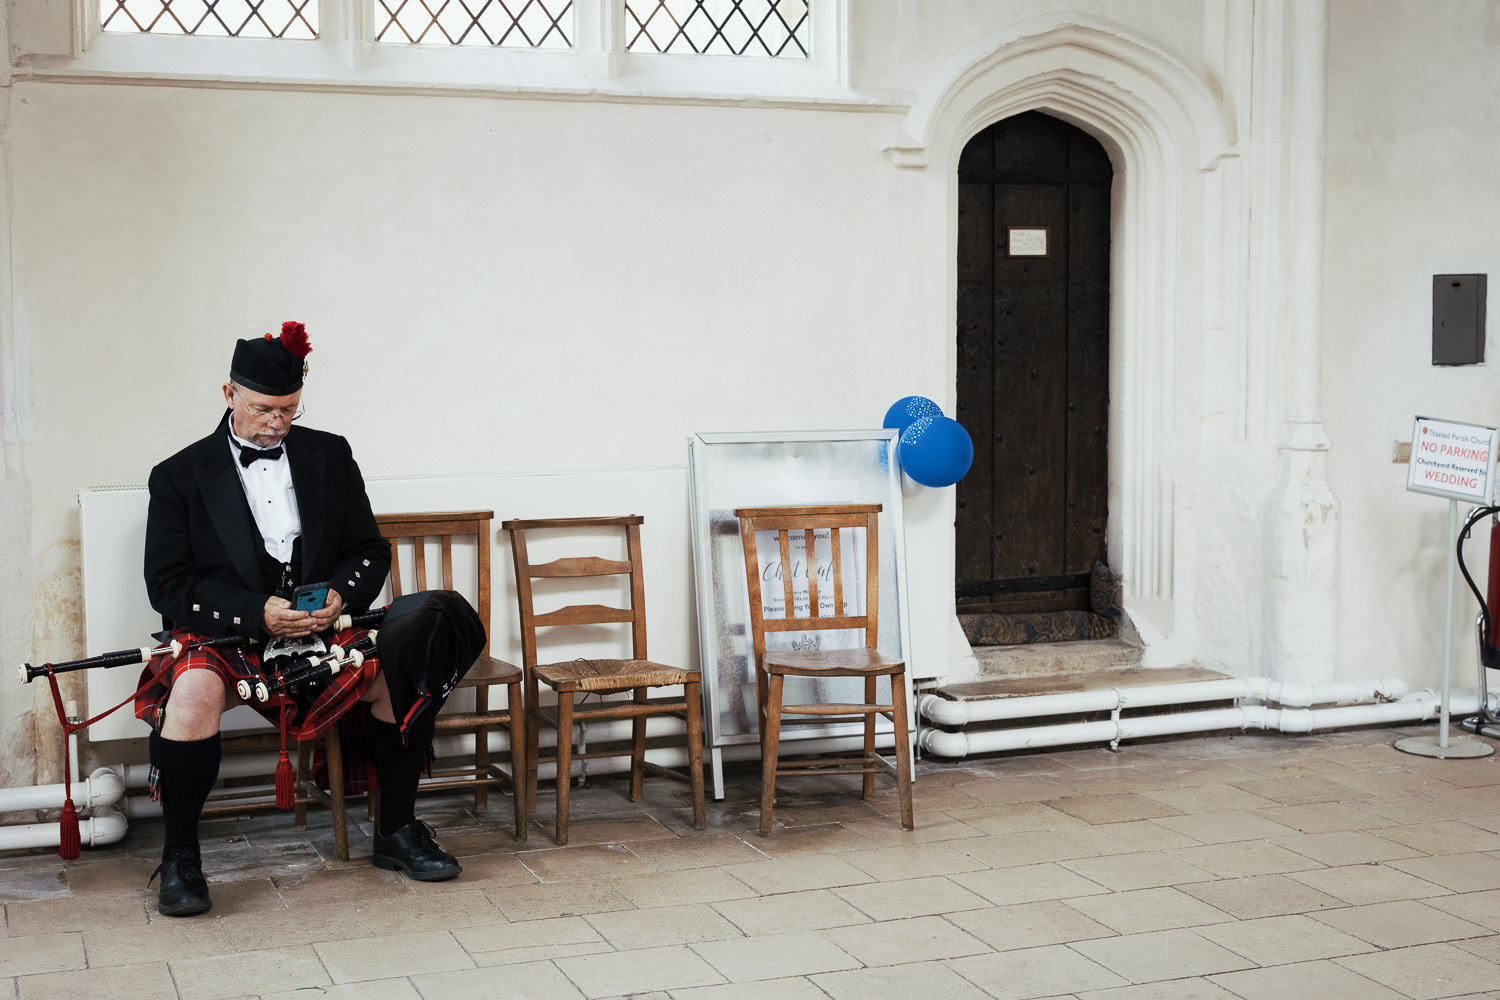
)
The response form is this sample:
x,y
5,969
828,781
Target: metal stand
x,y
1442,747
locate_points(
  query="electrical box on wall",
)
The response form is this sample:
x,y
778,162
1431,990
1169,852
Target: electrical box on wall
x,y
1458,319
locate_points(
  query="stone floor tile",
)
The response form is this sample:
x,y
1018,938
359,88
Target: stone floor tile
x,y
797,874
77,913
379,989
1023,847
623,973
1459,872
1021,816
1261,896
1451,837
527,934
1361,884
250,973
902,982
1426,972
1032,925
1127,838
1123,872
470,908
1244,857
163,939
1014,790
103,873
1120,808
1203,800
584,863
1223,827
1158,955
688,885
899,942
1323,817
658,926
1322,980
1051,971
795,988
312,924
1426,807
1141,910
1400,924
1175,989
694,852
126,982
531,981
1472,773
538,902
1282,940
1346,847
790,911
775,957
912,898
59,951
584,832
1475,907
353,885
1308,788
1030,884
889,864
392,955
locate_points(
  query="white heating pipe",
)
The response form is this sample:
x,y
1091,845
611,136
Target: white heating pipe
x,y
107,826
1418,707
104,787
945,712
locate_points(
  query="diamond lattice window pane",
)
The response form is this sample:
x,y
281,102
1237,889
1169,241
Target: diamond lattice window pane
x,y
511,24
717,27
233,18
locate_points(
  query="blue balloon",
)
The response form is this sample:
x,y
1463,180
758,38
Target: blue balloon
x,y
935,451
904,411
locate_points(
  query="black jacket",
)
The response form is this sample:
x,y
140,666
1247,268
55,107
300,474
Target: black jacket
x,y
202,570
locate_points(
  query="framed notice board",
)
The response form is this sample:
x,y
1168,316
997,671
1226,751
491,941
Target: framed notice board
x,y
733,470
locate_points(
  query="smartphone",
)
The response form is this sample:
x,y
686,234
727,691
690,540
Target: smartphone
x,y
310,597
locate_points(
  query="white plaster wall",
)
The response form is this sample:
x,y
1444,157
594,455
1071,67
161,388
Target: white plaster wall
x,y
1412,159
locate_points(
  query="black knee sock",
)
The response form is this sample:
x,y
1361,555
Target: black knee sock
x,y
186,772
398,768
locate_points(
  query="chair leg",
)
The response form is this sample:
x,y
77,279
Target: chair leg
x,y
333,750
519,770
868,786
903,749
527,788
564,762
638,749
770,752
692,693
481,768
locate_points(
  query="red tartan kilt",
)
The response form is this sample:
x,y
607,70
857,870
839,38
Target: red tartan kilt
x,y
342,692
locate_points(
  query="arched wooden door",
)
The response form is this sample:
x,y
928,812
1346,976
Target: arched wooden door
x,y
1033,364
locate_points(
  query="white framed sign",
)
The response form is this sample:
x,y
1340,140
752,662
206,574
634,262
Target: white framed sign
x,y
1452,459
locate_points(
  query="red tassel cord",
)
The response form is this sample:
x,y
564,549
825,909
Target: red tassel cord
x,y
286,778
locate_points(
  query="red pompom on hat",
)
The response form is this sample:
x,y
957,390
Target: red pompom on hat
x,y
274,366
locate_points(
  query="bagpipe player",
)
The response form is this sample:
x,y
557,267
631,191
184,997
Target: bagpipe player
x,y
238,522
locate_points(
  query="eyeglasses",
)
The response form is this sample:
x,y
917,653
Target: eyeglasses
x,y
286,413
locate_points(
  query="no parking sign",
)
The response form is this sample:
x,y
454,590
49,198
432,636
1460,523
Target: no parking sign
x,y
1452,459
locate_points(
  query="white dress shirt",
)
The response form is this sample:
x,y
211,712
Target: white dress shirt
x,y
268,487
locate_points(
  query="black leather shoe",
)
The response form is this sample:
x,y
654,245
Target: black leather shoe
x,y
412,850
184,891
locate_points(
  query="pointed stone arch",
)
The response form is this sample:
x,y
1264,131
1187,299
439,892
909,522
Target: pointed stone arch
x,y
1166,134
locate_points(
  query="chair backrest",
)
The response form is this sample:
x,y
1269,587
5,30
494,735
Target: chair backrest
x,y
577,567
412,531
808,521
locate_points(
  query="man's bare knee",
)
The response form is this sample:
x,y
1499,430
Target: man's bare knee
x,y
194,706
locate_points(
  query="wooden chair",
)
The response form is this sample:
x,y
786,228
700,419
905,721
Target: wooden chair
x,y
409,533
772,667
637,675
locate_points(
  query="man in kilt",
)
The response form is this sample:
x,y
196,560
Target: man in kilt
x,y
238,520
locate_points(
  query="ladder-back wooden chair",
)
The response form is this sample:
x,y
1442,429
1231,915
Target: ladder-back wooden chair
x,y
635,675
409,535
773,666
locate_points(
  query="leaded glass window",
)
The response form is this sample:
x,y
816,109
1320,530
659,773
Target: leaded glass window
x,y
523,24
232,18
718,27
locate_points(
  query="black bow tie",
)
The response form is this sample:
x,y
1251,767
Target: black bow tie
x,y
249,455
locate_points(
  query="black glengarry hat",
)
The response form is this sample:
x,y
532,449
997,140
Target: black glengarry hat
x,y
274,366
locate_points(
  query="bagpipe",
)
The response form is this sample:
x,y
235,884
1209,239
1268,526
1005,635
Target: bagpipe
x,y
288,666
1487,626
